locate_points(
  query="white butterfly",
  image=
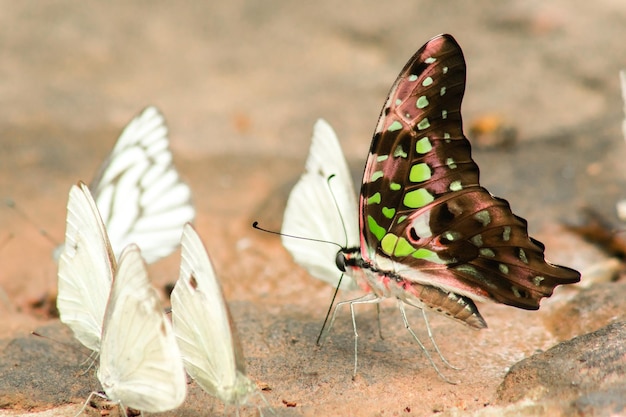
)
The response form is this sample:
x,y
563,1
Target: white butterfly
x,y
140,363
204,328
86,269
322,205
138,191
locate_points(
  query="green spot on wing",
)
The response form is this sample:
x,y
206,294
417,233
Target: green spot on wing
x,y
487,252
451,236
374,199
375,229
428,255
389,212
423,124
427,81
503,268
381,158
477,240
388,243
417,198
394,186
396,125
456,186
399,152
483,217
450,163
419,172
403,248
442,91
522,256
402,218
412,77
423,146
421,102
376,175
430,60
444,114
506,233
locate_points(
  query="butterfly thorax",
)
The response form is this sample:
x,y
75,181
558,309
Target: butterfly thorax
x,y
389,283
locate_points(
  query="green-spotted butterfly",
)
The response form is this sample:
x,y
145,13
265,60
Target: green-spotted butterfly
x,y
428,234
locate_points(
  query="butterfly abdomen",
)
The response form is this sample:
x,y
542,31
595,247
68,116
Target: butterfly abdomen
x,y
387,284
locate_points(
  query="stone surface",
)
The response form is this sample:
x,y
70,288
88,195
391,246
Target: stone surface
x,y
585,375
241,84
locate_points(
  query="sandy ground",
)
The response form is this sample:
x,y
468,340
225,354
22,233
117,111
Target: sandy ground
x,y
241,84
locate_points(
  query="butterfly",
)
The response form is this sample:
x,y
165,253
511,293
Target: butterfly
x,y
140,363
138,191
428,234
113,310
204,327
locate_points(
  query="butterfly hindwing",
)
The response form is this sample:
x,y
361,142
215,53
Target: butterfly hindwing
x,y
139,192
140,363
422,209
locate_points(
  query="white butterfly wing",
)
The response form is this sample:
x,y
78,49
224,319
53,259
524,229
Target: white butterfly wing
x,y
86,269
204,328
140,195
320,207
140,363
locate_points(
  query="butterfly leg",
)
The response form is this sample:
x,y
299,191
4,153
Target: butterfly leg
x,y
419,342
380,328
93,394
432,340
368,299
364,298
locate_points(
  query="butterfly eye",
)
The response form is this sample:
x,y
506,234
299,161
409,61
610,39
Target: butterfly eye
x,y
340,261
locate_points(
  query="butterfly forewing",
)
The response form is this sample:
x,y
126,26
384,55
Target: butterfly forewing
x,y
204,328
140,194
322,205
86,268
424,214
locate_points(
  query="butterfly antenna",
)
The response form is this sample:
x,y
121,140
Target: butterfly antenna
x,y
345,232
255,225
343,223
12,205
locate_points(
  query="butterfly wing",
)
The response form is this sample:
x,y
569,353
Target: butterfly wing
x,y
140,195
204,328
322,206
423,213
140,363
86,268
